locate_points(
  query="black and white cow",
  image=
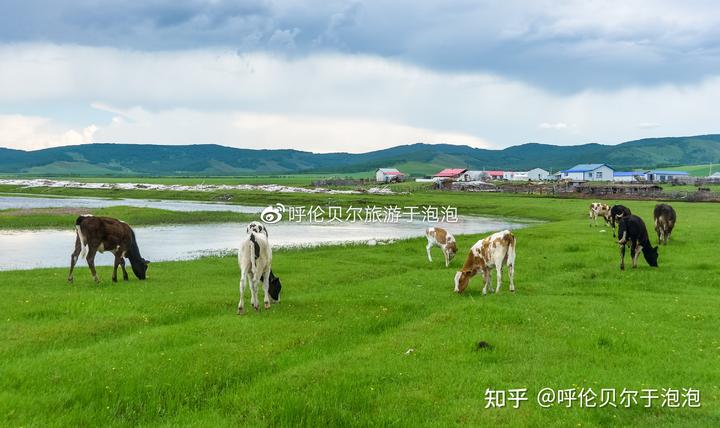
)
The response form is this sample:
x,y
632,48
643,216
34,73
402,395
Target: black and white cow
x,y
665,218
632,229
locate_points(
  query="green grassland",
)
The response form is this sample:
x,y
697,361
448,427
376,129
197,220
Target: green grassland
x,y
170,350
47,218
695,170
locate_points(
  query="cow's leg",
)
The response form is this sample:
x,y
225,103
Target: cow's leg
x,y
511,274
498,274
241,304
74,258
622,256
116,263
428,247
266,288
667,236
122,266
636,250
91,262
486,280
613,226
447,257
253,293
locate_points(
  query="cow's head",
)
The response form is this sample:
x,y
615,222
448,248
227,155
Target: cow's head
x,y
462,279
451,248
275,287
139,268
651,256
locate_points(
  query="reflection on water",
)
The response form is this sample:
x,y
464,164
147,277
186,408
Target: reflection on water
x,y
52,248
26,202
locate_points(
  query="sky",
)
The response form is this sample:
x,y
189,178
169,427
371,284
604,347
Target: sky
x,y
356,76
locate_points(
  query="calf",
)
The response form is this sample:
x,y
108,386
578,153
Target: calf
x,y
665,218
439,237
616,213
598,209
495,250
275,285
102,234
255,260
633,229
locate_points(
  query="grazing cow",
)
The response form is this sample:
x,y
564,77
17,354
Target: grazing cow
x,y
598,209
495,250
255,260
102,234
665,218
616,213
633,229
439,237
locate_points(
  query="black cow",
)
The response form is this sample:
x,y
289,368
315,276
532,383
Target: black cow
x,y
665,218
616,213
633,229
102,234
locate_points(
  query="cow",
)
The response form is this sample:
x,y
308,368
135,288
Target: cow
x,y
633,229
439,237
494,251
102,234
616,213
275,284
665,218
598,209
255,260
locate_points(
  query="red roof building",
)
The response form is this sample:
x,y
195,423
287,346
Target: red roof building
x,y
450,173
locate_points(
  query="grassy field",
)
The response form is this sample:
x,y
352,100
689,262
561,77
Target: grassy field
x,y
46,218
374,335
695,170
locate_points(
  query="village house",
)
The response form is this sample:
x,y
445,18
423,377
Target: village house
x,y
588,172
452,174
666,176
388,175
628,176
537,174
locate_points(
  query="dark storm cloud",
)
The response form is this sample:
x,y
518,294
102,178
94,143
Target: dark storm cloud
x,y
560,45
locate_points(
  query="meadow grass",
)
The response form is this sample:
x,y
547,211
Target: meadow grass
x,y
49,218
373,335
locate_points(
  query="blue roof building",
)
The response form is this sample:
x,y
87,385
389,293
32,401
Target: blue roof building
x,y
588,172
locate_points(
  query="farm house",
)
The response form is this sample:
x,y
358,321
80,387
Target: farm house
x,y
588,172
666,176
453,174
628,176
388,175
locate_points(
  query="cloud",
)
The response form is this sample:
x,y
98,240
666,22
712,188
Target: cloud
x,y
31,133
558,125
564,47
193,96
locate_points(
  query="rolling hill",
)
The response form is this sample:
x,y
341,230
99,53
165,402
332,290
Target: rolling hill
x,y
104,159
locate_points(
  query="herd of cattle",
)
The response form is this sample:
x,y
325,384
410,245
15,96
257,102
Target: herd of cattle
x,y
99,234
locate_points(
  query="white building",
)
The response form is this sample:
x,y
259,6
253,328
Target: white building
x,y
520,176
666,176
537,174
628,176
387,175
472,176
588,172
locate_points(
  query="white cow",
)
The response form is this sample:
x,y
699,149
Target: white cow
x,y
255,260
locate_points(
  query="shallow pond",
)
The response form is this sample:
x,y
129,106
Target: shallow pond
x,y
28,202
52,248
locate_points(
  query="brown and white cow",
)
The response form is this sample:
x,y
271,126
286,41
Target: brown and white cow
x,y
102,234
439,237
598,209
494,251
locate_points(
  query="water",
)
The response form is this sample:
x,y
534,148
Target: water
x,y
27,202
52,248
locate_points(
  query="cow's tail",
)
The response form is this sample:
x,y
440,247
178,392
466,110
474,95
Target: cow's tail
x,y
511,251
81,237
254,251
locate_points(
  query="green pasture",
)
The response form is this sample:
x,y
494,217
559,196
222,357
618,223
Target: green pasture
x,y
374,335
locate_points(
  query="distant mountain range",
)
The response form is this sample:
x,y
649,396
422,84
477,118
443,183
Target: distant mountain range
x,y
417,159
